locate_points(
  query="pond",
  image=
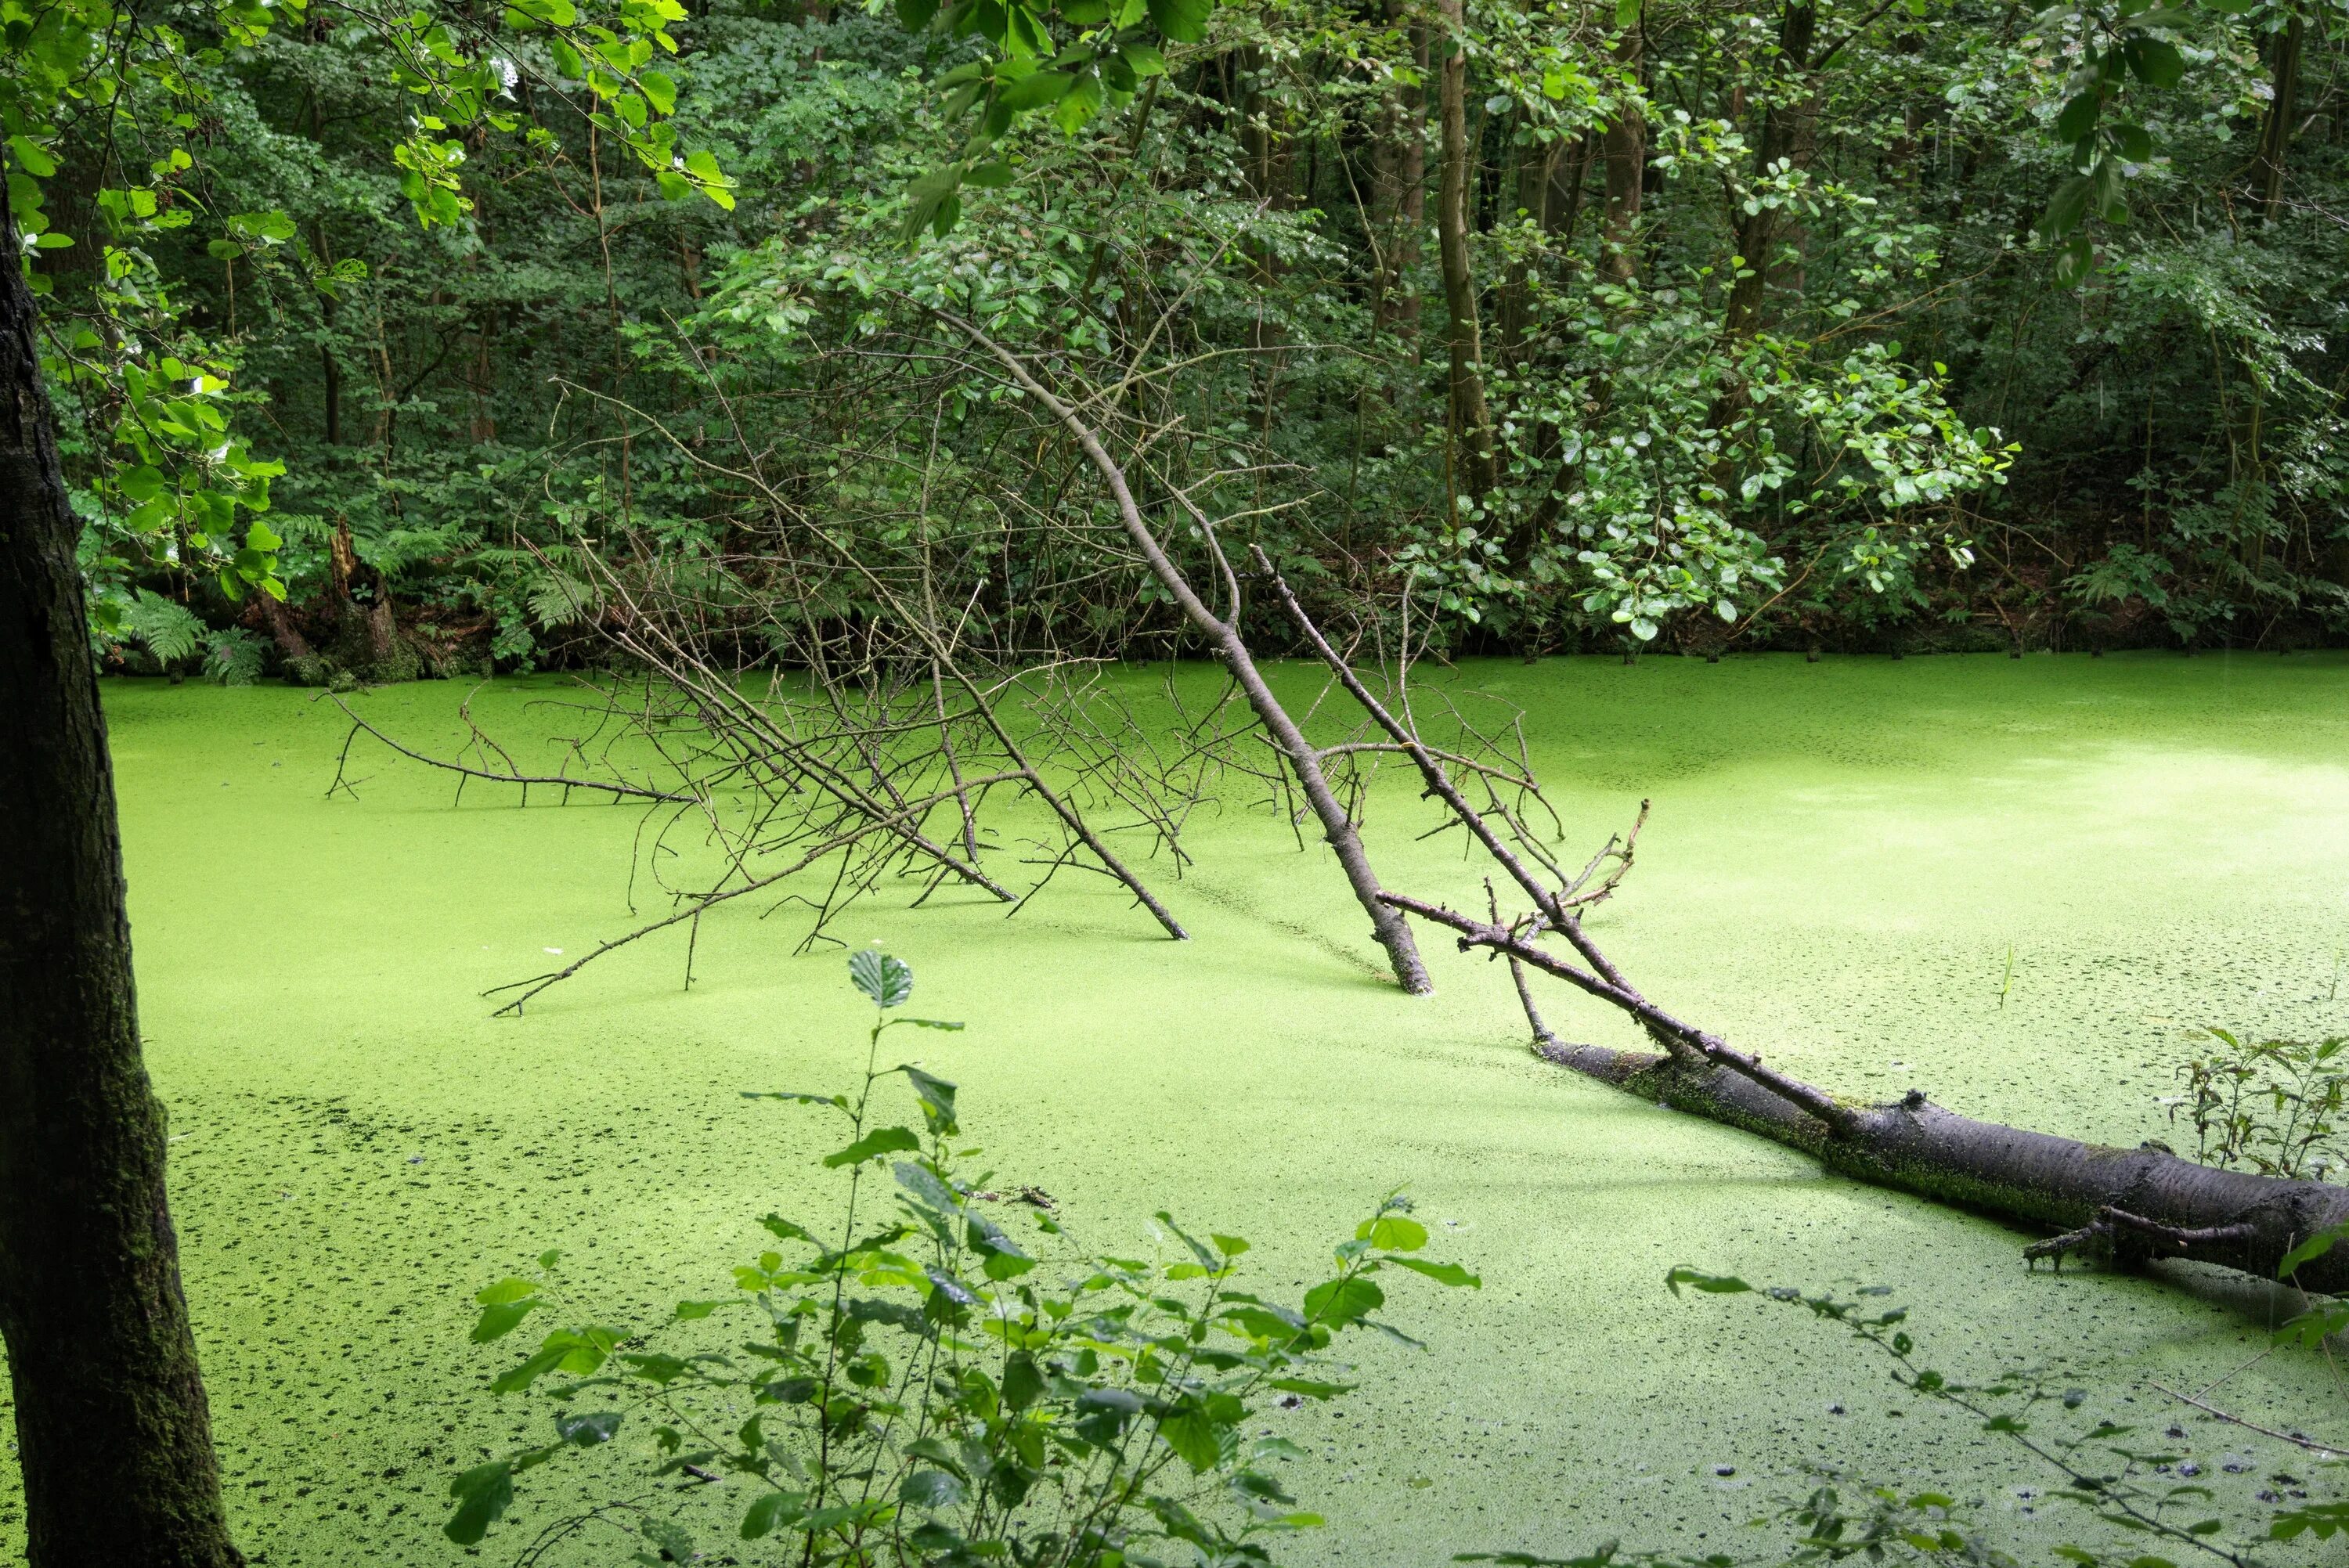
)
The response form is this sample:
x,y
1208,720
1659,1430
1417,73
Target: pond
x,y
2019,885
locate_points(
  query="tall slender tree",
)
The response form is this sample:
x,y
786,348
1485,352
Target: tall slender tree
x,y
112,1434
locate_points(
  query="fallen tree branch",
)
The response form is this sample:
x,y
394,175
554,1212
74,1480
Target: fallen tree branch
x,y
2135,1204
2327,1450
1392,931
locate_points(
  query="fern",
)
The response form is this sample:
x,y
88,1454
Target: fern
x,y
232,656
164,627
558,599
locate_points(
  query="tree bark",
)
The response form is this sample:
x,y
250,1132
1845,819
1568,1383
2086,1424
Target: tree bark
x,y
1399,196
113,1437
1476,463
2168,1207
2129,1204
1624,146
1781,130
2275,133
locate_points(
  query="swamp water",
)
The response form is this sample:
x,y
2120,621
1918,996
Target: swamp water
x,y
1841,859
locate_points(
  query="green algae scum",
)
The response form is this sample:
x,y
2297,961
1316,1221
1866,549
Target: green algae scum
x,y
2019,886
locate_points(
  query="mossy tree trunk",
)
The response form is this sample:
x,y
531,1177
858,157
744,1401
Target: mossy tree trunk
x,y
113,1438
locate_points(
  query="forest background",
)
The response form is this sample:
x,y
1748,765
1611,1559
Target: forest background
x,y
1557,327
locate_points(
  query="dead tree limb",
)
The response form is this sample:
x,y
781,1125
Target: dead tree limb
x,y
1392,931
2128,1204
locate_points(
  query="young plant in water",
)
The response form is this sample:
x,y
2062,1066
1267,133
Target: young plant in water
x,y
2277,1107
913,1391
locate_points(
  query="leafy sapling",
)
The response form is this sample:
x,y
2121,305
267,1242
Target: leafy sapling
x,y
924,1387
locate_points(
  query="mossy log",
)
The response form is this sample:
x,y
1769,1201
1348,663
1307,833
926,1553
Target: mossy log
x,y
2134,1204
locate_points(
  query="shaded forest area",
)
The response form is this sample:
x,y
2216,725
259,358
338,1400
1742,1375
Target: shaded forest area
x,y
1442,306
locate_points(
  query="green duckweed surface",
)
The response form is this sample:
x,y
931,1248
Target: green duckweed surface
x,y
1841,857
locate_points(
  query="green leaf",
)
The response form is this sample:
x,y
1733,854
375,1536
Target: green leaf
x,y
2066,207
938,1098
1442,1274
1339,1302
2074,262
2079,116
988,176
1712,1284
2155,61
1023,1382
482,1494
873,1145
1183,21
2315,1246
888,981
837,1101
501,1317
775,1508
931,1489
589,1430
1393,1233
1036,91
1194,1440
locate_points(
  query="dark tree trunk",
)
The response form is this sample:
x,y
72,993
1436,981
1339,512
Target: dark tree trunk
x,y
112,1434
1625,144
1472,420
1781,124
2275,134
1399,196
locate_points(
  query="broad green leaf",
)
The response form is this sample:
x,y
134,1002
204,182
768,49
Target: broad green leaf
x,y
884,979
1712,1284
1183,21
873,1145
931,1489
772,1509
1393,1233
1442,1274
1339,1302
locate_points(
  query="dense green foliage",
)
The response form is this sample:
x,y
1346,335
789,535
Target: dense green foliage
x,y
919,1393
1585,422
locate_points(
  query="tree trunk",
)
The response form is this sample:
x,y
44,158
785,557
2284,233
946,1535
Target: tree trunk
x,y
2170,1207
2128,1204
2275,134
1476,463
1536,162
1782,123
1625,148
1398,197
112,1433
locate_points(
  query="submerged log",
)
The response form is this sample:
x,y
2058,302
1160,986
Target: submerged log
x,y
2129,1205
2132,1205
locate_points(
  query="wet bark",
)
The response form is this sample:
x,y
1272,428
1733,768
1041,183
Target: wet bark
x,y
113,1437
2129,1205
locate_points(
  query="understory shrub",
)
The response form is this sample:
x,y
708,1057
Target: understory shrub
x,y
920,1386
